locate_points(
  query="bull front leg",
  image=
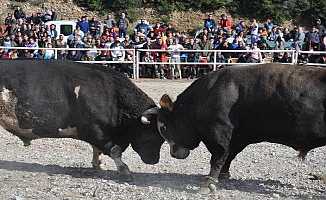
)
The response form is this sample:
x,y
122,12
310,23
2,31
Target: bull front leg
x,y
217,143
115,152
96,161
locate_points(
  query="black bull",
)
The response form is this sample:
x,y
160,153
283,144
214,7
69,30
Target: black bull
x,y
237,106
40,99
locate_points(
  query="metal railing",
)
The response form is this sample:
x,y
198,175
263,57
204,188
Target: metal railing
x,y
311,52
176,60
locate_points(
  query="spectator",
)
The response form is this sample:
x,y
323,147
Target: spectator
x,y
240,27
37,19
7,43
83,24
94,27
205,44
158,29
323,43
47,15
209,23
175,47
61,43
287,35
110,21
54,15
254,31
225,22
170,29
117,52
314,40
256,56
269,25
32,44
320,27
299,38
10,20
19,13
53,32
142,27
123,25
49,53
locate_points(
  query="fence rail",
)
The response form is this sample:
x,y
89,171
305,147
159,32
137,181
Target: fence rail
x,y
175,59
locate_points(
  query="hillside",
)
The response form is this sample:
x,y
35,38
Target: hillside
x,y
67,9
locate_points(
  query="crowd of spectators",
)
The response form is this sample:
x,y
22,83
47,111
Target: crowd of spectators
x,y
225,34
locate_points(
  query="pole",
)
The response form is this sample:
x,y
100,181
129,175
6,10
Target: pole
x,y
214,68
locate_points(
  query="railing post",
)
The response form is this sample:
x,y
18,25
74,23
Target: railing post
x,y
55,54
296,56
293,57
214,68
137,64
134,65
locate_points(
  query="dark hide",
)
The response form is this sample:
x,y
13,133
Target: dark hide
x,y
105,109
237,106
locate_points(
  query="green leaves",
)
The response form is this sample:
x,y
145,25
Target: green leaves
x,y
279,10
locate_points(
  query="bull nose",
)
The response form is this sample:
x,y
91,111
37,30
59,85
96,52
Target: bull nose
x,y
150,160
179,153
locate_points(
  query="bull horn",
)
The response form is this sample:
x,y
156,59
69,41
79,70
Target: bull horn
x,y
147,113
144,120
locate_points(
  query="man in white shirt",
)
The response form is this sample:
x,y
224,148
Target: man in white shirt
x,y
175,47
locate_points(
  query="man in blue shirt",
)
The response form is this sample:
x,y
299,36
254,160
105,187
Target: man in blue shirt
x,y
209,23
83,24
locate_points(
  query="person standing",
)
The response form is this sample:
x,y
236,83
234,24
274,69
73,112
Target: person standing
x,y
123,24
110,21
83,24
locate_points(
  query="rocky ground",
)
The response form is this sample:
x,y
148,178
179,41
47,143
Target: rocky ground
x,y
61,169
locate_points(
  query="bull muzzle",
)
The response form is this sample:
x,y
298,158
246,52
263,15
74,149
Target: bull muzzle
x,y
179,152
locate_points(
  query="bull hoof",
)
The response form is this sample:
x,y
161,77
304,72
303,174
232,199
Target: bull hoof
x,y
26,143
124,170
208,186
97,165
225,175
204,190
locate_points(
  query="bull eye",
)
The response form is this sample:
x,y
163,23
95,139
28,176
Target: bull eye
x,y
163,128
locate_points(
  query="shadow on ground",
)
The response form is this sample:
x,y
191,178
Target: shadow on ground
x,y
163,180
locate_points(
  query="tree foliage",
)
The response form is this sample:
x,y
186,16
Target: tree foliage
x,y
279,10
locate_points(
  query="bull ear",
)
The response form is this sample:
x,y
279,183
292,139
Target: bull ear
x,y
166,102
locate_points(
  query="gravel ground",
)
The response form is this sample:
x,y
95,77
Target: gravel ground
x,y
61,169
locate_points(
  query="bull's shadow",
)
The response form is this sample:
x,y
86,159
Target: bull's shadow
x,y
164,180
